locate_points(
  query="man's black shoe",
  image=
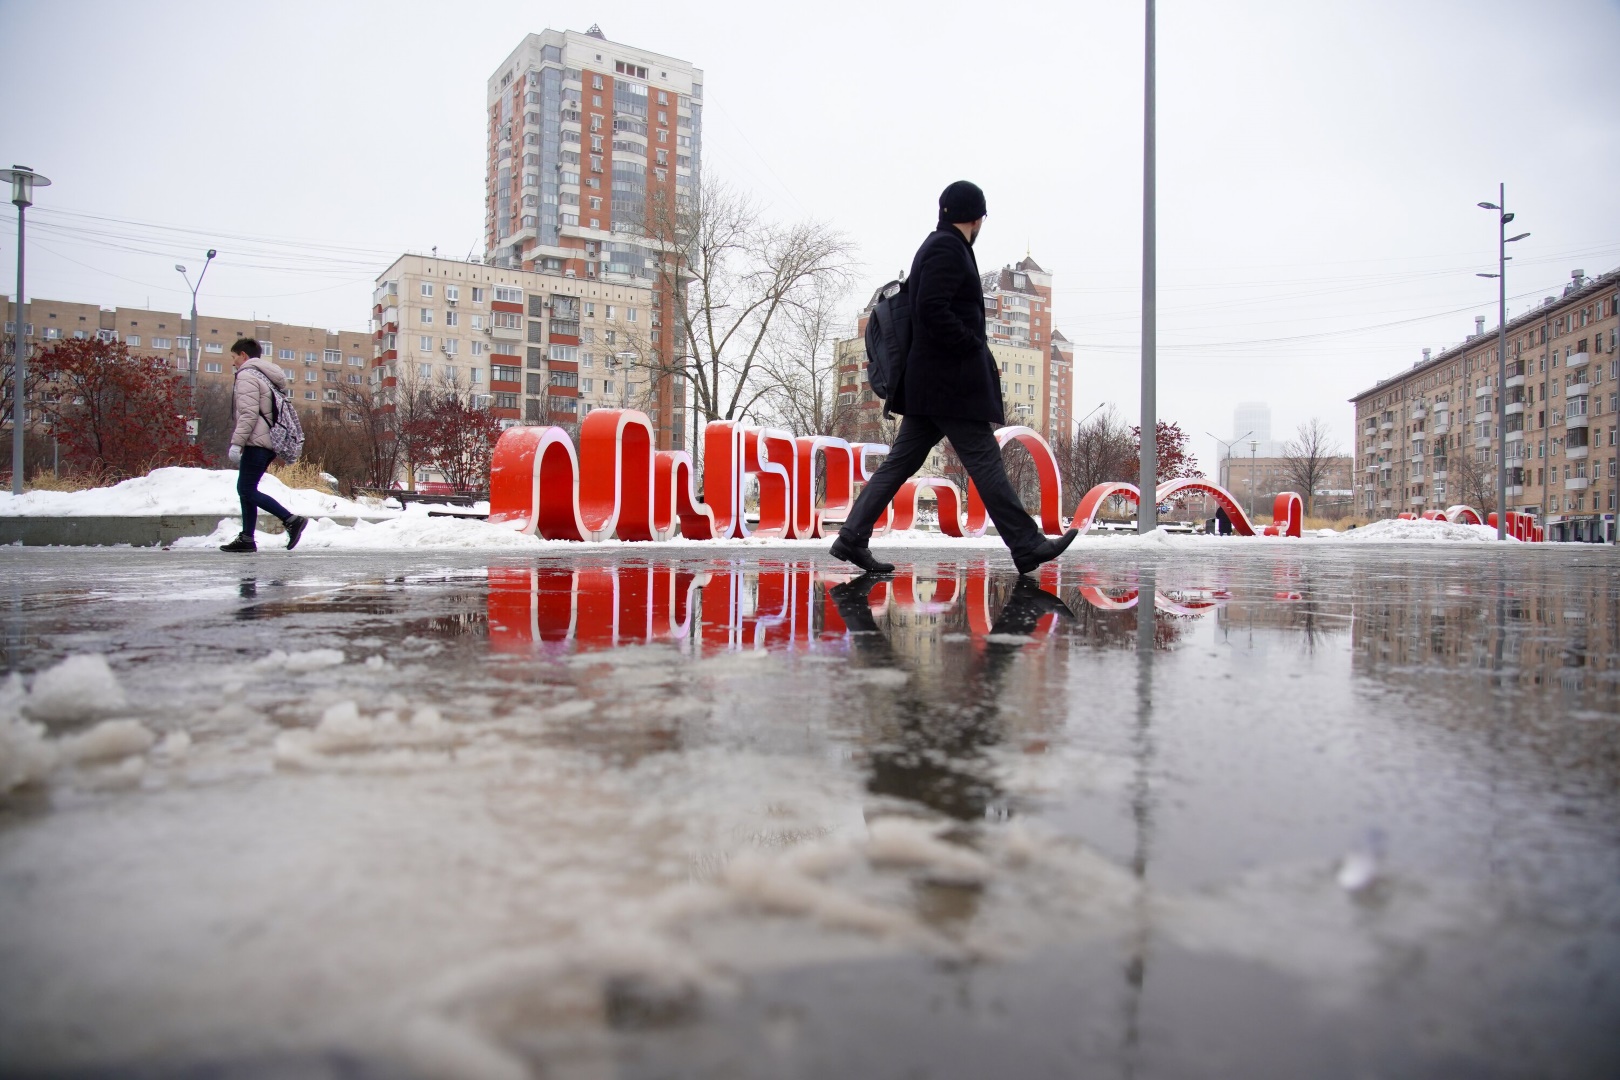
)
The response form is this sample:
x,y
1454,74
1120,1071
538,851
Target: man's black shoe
x,y
1046,551
860,556
295,529
241,543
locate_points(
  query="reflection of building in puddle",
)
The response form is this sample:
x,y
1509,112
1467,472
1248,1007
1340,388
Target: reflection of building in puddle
x,y
1545,627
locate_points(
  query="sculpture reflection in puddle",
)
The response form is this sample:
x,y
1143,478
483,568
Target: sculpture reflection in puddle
x,y
787,606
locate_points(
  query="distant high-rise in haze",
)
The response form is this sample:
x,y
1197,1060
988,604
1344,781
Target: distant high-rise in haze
x,y
1253,417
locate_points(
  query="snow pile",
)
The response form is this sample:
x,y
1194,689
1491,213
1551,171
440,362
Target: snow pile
x,y
1393,530
80,688
178,490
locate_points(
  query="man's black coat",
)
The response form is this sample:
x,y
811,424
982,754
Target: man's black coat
x,y
949,370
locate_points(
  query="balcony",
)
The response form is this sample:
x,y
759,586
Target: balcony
x,y
1577,453
1373,467
1483,415
1484,441
1419,412
1419,436
1578,420
1514,381
1483,391
1386,446
1442,425
1418,500
1439,474
1515,489
1387,425
1579,389
1516,434
1385,504
506,333
1578,360
1576,483
1515,407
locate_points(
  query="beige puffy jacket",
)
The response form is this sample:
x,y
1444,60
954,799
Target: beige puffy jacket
x,y
252,400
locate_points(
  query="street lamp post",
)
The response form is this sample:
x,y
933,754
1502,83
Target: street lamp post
x,y
1226,459
1147,509
23,181
1502,241
1254,449
196,345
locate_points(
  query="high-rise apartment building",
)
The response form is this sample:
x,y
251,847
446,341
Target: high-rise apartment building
x,y
1428,438
593,152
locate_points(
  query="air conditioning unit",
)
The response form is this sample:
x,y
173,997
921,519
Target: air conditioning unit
x,y
449,302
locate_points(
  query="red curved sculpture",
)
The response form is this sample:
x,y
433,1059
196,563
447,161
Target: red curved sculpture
x,y
1086,513
1046,471
1182,485
1463,515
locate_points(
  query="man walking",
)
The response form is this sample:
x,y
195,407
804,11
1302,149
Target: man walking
x,y
253,395
948,387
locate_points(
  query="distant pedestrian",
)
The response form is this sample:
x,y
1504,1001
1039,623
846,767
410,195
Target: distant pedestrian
x,y
1223,521
948,387
252,394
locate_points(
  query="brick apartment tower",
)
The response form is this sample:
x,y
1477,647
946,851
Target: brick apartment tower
x,y
593,150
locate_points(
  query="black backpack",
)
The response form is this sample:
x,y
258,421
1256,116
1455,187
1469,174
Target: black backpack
x,y
888,338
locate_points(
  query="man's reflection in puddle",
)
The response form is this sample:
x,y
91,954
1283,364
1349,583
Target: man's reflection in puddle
x,y
941,730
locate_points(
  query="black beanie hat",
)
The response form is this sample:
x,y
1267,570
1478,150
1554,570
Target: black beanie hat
x,y
962,201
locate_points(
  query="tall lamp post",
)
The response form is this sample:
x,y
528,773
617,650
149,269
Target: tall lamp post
x,y
1502,241
1254,448
1147,505
196,345
23,181
1227,444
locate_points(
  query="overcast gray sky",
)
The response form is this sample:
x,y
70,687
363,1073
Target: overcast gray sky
x,y
1319,162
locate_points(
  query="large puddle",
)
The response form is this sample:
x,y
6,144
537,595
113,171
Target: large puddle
x,y
1323,813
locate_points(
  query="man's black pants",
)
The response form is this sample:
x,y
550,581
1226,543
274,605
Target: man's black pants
x,y
975,443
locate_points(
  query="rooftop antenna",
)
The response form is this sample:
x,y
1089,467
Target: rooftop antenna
x,y
435,251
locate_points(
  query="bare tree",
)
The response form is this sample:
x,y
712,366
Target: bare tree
x,y
1474,480
799,369
1308,459
1100,450
734,275
411,401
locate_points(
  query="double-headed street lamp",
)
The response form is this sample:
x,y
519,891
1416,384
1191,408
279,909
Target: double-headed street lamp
x,y
1503,240
196,345
23,181
1227,444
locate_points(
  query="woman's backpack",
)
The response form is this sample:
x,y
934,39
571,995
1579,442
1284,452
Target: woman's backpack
x,y
286,430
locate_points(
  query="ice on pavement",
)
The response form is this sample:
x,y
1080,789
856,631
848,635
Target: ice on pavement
x,y
179,490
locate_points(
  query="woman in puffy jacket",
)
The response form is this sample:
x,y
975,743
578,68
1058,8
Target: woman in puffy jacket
x,y
253,395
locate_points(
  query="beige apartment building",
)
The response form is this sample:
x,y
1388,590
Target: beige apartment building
x,y
532,347
1255,482
1428,438
320,364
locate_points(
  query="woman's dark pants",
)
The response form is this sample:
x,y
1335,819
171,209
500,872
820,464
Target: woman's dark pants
x,y
255,460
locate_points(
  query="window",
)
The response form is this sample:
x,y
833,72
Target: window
x,y
475,376
451,318
607,386
179,342
310,376
424,371
309,395
424,343
508,296
290,375
478,296
566,353
610,312
286,354
331,376
478,348
630,314
451,346
354,378
590,308
213,367
355,361
452,293
585,386
427,288
505,373
506,401
133,340
333,356
508,320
